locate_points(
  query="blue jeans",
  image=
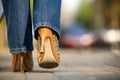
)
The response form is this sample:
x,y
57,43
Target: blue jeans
x,y
46,13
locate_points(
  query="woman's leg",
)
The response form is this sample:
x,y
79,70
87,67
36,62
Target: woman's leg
x,y
19,29
47,31
19,25
47,14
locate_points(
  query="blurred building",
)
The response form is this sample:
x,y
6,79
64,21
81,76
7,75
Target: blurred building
x,y
107,13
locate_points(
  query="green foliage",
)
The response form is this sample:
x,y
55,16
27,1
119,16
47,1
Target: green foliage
x,y
85,14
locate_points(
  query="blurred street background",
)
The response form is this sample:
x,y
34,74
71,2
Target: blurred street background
x,y
89,43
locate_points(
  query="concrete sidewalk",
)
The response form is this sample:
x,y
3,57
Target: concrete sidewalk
x,y
75,65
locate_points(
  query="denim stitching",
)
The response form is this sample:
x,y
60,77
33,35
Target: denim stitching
x,y
17,50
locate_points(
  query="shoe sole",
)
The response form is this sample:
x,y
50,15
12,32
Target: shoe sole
x,y
48,60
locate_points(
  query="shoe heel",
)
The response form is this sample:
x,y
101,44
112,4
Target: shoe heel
x,y
22,62
15,59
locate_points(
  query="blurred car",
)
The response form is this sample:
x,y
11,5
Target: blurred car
x,y
100,39
112,36
76,36
106,38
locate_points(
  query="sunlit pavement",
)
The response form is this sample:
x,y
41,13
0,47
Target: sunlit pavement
x,y
75,65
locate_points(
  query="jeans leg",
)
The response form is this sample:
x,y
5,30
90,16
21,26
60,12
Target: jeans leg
x,y
47,14
19,26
